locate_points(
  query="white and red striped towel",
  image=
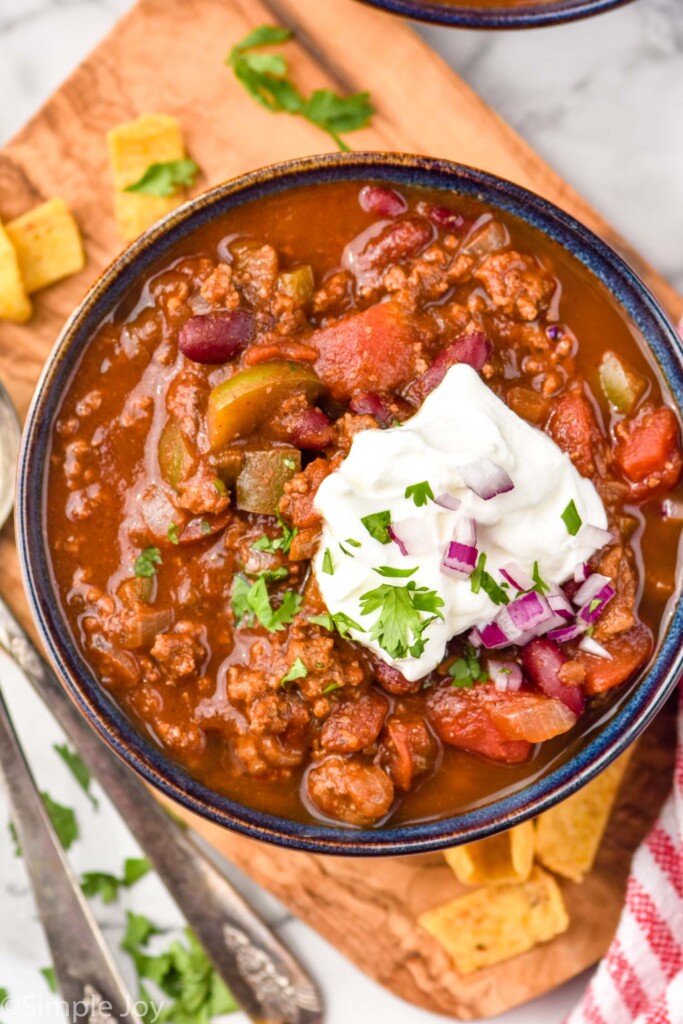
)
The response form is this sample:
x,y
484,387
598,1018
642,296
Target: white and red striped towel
x,y
640,981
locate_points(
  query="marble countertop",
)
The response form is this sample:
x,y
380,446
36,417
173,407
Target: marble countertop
x,y
601,100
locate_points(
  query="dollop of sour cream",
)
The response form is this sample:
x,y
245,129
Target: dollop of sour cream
x,y
461,422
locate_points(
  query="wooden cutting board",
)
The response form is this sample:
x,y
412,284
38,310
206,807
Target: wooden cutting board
x,y
168,55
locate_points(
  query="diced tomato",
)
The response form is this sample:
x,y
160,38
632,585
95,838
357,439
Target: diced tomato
x,y
373,350
462,718
407,749
629,651
573,427
648,451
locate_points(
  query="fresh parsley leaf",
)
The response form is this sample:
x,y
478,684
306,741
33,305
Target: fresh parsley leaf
x,y
325,620
63,820
78,769
146,561
388,570
344,550
572,519
4,997
173,533
594,604
282,543
272,575
377,526
331,687
344,623
166,179
182,972
353,543
477,574
467,670
420,493
328,564
540,586
493,589
50,977
297,671
253,599
107,887
265,77
399,626
205,527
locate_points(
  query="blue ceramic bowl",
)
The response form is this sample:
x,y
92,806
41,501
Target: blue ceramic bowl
x,y
526,14
602,743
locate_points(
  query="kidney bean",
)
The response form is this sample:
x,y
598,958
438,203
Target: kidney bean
x,y
382,201
385,408
393,681
448,220
542,660
369,254
473,349
311,430
216,337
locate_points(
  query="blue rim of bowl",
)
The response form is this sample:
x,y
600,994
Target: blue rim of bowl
x,y
638,709
553,12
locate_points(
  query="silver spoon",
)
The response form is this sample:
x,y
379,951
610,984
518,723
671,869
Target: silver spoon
x,y
265,979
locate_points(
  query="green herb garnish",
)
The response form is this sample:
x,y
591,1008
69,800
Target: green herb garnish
x,y
166,179
173,533
63,821
297,671
344,550
4,997
282,543
328,565
325,620
540,586
220,487
249,600
78,769
377,525
594,604
572,519
388,570
420,493
50,977
399,626
205,527
331,687
146,562
352,542
467,670
265,76
493,589
107,887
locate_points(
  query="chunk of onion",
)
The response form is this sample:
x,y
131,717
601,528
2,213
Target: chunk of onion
x,y
532,717
506,676
410,536
448,501
591,646
516,577
459,559
486,478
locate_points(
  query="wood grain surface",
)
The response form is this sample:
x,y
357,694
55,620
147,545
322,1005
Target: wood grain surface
x,y
168,55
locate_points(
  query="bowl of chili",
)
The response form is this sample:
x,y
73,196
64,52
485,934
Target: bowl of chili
x,y
224,373
497,14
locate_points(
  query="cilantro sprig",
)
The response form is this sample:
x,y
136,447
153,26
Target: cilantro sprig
x,y
282,543
78,769
482,580
253,599
166,179
399,627
265,76
340,620
146,562
377,524
297,671
571,518
107,886
467,670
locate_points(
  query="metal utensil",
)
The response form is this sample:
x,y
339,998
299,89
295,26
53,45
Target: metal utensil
x,y
264,977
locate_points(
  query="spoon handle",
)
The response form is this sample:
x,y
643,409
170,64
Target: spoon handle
x,y
88,979
265,979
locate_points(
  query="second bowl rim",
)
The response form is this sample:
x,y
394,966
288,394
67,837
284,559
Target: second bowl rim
x,y
81,682
530,15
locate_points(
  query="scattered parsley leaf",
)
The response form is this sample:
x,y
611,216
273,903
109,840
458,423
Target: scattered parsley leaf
x,y
388,570
282,543
205,527
377,526
331,687
594,604
344,623
173,533
344,550
50,977
272,575
265,77
420,493
78,769
220,487
328,564
477,574
107,887
540,586
139,930
353,543
325,620
146,561
399,626
493,589
467,670
572,519
297,671
253,599
166,179
4,997
63,821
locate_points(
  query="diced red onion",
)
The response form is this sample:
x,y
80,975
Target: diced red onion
x,y
492,636
563,634
391,530
554,622
505,675
465,531
589,589
459,559
448,501
474,637
515,575
581,572
594,608
591,646
514,634
410,536
486,478
529,611
560,605
594,536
